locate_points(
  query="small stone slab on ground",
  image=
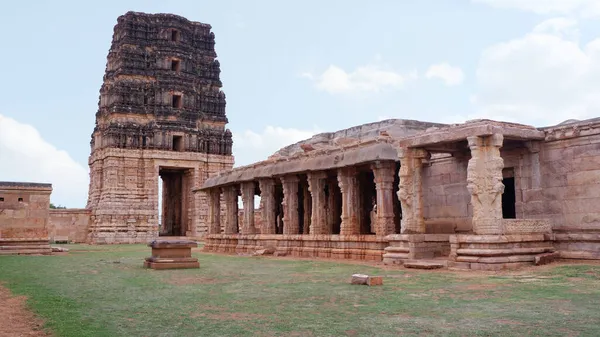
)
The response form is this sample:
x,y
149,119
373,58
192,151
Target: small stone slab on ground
x,y
59,250
367,280
420,264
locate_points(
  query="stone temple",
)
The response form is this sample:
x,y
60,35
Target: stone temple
x,y
161,114
478,195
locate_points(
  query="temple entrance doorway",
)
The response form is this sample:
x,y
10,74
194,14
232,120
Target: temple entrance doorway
x,y
174,210
508,197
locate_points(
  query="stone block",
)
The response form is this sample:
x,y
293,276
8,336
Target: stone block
x,y
545,258
363,279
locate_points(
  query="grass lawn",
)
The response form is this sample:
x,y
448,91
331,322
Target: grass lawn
x,y
104,291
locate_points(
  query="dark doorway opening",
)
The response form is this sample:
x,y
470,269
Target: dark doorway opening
x,y
397,204
508,199
333,194
367,201
279,209
173,215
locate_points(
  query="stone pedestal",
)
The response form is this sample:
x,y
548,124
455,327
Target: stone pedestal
x,y
172,255
405,247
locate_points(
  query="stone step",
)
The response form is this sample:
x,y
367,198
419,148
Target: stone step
x,y
395,249
45,251
425,264
32,246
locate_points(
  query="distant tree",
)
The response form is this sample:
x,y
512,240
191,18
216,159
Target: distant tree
x,y
52,206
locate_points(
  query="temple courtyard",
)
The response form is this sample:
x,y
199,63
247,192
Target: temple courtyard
x,y
105,291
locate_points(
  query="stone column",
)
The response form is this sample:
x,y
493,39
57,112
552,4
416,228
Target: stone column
x,y
290,204
484,182
231,209
214,211
316,186
384,182
248,201
410,190
269,209
349,186
307,207
331,210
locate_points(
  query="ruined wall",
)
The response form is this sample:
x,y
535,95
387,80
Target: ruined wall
x,y
446,201
24,209
69,223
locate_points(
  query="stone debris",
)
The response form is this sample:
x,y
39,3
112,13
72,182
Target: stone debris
x,y
424,264
265,251
545,258
363,279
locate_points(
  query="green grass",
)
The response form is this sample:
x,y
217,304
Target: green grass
x,y
104,291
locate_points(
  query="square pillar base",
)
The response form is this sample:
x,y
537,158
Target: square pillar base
x,y
176,254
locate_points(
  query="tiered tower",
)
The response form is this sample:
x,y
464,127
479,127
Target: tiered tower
x,y
161,114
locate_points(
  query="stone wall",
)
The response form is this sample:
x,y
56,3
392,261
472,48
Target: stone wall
x,y
570,168
446,201
24,210
71,224
258,220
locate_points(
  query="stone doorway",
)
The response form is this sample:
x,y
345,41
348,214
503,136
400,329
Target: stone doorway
x,y
174,211
367,201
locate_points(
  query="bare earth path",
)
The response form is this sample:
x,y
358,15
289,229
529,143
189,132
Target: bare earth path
x,y
15,319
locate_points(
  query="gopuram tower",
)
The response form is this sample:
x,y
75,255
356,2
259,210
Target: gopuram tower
x,y
161,120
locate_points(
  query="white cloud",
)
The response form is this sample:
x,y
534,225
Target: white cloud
x,y
250,146
26,156
565,28
364,79
447,73
541,78
586,8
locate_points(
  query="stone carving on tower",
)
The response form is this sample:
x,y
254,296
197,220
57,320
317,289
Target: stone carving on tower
x,y
161,114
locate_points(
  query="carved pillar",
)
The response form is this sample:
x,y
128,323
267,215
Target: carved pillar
x,y
316,186
331,207
290,204
384,182
269,209
410,190
248,201
484,182
349,186
231,209
214,211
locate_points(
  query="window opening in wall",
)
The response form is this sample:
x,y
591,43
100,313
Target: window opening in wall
x,y
176,101
175,65
145,99
175,35
177,143
1,199
508,199
20,199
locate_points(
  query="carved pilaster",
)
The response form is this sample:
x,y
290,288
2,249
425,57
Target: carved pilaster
x,y
269,209
307,207
231,209
384,181
349,186
484,182
290,204
410,190
214,211
248,201
316,186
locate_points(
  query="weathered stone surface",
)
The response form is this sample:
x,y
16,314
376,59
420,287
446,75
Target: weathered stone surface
x,y
161,113
363,279
174,254
59,249
545,258
424,264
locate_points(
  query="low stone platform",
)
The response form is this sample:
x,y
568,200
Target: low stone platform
x,y
404,247
25,246
497,252
172,254
425,264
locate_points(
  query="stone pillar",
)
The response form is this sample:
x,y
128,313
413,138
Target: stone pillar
x,y
484,182
231,209
316,186
307,207
248,201
290,204
331,209
410,190
269,209
349,186
384,181
214,211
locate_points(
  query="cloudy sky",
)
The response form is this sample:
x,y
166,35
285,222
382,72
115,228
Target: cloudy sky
x,y
294,68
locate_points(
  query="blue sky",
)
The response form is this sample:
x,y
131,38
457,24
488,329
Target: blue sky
x,y
294,68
